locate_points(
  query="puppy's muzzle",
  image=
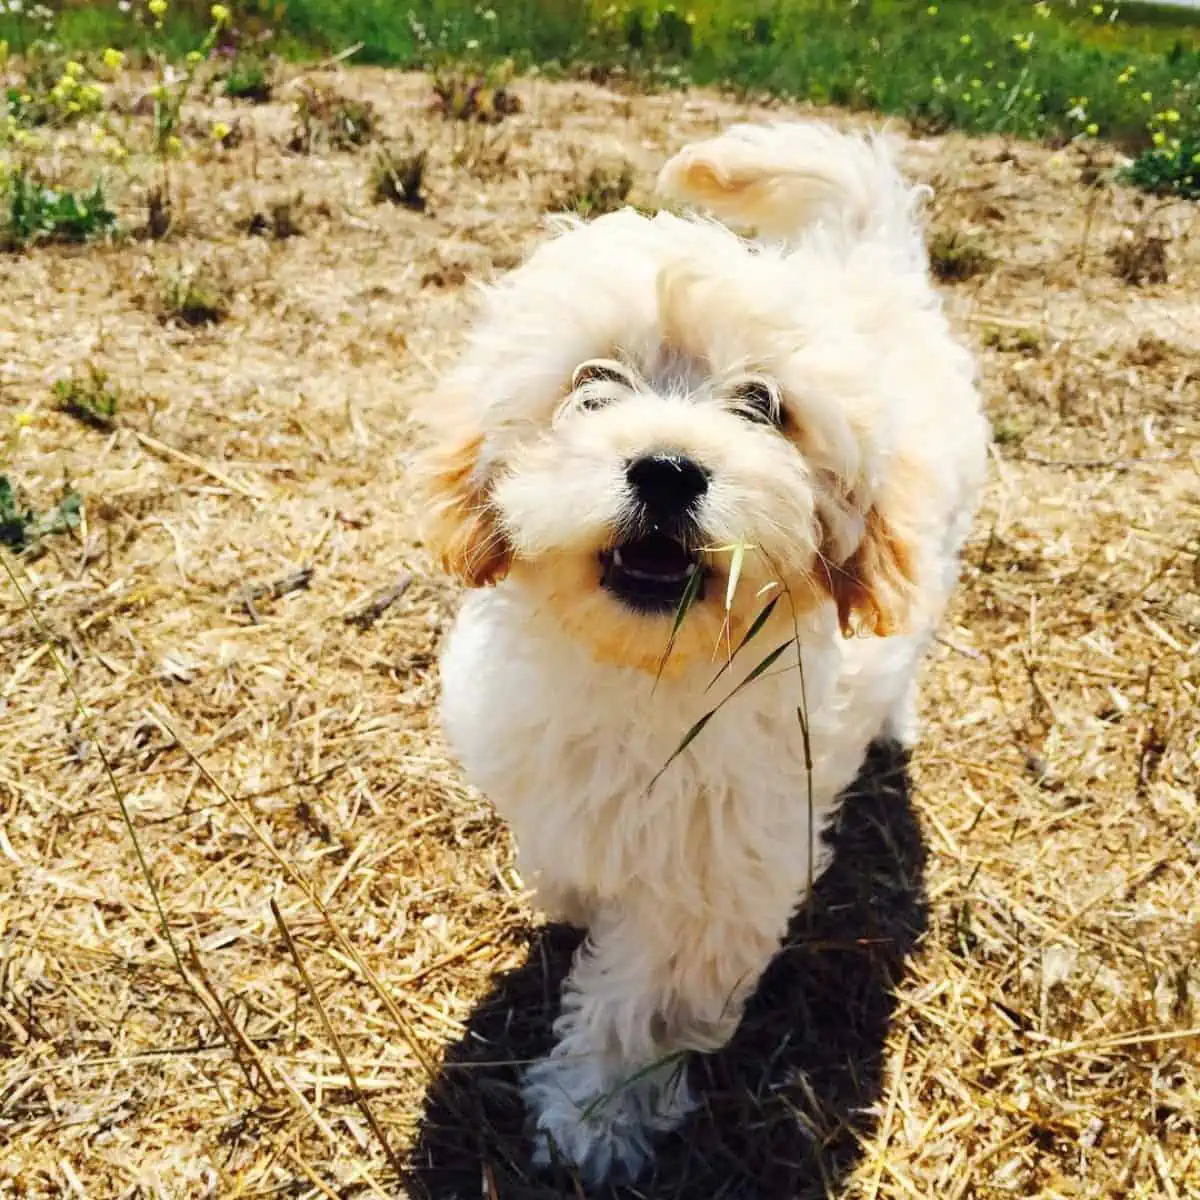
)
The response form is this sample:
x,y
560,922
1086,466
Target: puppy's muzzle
x,y
652,570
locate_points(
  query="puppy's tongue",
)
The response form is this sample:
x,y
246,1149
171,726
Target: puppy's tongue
x,y
654,557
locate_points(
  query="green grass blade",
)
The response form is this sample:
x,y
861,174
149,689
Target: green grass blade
x,y
760,668
672,1058
688,738
756,625
698,728
690,594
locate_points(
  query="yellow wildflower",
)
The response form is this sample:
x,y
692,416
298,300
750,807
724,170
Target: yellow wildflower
x,y
193,57
114,60
220,14
932,10
1159,137
157,8
220,131
965,39
1093,129
174,145
74,69
1147,97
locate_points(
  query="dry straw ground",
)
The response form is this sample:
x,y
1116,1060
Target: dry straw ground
x,y
998,990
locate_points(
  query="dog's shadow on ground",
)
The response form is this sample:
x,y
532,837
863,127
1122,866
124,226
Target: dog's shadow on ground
x,y
784,1108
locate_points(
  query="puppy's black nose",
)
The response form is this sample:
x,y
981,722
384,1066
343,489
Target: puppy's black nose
x,y
667,484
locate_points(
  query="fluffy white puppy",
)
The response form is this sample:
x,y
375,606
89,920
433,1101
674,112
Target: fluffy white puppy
x,y
645,403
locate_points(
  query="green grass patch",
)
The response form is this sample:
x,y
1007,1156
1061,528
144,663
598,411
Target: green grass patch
x,y
603,189
1046,70
955,256
1024,68
250,78
327,120
92,399
1171,169
194,295
23,528
398,175
32,212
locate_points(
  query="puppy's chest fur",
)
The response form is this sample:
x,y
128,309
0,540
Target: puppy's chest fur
x,y
578,757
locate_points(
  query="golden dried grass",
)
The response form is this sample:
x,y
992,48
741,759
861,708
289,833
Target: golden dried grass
x,y
998,991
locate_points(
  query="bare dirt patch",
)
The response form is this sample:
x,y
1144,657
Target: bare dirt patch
x,y
998,992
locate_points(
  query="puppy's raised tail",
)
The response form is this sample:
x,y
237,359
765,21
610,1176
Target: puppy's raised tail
x,y
785,181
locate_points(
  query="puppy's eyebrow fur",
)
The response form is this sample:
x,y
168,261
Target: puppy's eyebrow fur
x,y
602,369
675,286
693,307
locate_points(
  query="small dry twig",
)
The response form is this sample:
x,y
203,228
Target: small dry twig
x,y
369,613
276,589
359,1099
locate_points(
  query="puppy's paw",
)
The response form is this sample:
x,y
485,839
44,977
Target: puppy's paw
x,y
591,1117
598,1149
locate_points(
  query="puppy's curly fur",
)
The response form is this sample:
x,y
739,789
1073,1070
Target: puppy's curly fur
x,y
637,398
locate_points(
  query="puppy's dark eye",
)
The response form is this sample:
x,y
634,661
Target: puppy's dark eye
x,y
600,370
758,400
598,382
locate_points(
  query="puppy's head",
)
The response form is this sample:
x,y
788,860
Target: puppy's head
x,y
642,397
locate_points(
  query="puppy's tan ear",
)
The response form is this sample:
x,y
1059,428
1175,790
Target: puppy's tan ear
x,y
461,524
875,587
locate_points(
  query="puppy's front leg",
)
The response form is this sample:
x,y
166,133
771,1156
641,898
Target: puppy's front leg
x,y
645,988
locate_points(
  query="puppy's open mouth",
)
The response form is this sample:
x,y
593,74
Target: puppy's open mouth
x,y
651,573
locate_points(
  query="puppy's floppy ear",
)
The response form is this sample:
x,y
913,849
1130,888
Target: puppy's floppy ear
x,y
461,524
875,587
